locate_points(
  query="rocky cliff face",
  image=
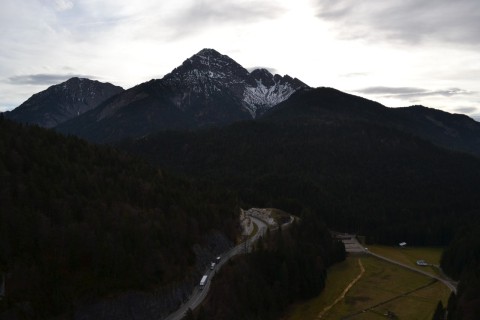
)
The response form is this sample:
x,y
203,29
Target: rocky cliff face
x,y
268,91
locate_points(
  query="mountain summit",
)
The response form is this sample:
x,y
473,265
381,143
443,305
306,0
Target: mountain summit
x,y
208,89
63,101
209,71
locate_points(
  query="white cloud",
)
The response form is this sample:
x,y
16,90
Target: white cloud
x,y
410,92
45,79
63,5
406,21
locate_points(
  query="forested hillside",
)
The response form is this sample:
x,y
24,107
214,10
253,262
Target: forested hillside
x,y
79,221
287,266
326,105
360,177
461,261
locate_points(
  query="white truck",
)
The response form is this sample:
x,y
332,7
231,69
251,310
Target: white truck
x,y
203,281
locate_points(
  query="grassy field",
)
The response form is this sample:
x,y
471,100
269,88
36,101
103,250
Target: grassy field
x,y
383,287
338,278
410,255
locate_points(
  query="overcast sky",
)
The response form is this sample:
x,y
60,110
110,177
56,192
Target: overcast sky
x,y
397,52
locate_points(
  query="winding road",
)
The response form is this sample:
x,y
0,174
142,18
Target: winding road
x,y
198,295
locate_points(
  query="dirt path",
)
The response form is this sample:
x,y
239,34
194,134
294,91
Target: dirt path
x,y
350,285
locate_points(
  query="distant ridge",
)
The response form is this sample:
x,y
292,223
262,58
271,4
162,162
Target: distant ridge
x,y
326,105
210,89
63,101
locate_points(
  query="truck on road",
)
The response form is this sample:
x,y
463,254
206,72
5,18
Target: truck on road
x,y
203,281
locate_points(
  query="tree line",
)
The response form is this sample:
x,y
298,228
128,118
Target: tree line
x,y
461,261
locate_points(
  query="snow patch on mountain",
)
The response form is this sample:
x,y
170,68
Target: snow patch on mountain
x,y
268,91
210,78
261,97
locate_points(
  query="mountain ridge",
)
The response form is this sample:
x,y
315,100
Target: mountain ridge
x,y
210,89
207,89
324,105
63,101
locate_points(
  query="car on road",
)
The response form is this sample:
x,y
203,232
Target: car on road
x,y
212,265
203,281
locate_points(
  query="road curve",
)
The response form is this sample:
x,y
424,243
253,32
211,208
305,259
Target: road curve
x,y
198,295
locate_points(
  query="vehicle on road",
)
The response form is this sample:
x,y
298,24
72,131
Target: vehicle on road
x,y
203,281
212,265
422,263
218,259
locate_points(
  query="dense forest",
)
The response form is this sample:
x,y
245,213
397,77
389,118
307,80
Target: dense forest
x,y
461,261
287,265
360,177
79,221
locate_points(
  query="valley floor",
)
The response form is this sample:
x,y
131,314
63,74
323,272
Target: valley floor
x,y
382,289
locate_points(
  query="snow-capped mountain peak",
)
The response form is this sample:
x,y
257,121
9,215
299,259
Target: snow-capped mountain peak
x,y
263,76
208,72
208,65
207,89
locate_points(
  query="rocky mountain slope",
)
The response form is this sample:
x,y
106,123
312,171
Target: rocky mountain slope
x,y
63,101
208,89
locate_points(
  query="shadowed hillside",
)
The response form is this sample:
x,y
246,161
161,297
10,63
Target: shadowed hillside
x,y
361,177
80,221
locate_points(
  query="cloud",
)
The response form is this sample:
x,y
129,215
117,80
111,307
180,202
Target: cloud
x,y
354,74
63,5
466,110
405,21
43,79
202,14
392,90
91,20
412,92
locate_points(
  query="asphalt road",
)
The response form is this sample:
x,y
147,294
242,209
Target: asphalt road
x,y
198,295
